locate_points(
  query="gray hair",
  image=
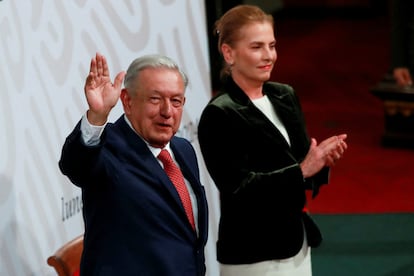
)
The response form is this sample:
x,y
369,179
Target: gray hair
x,y
150,61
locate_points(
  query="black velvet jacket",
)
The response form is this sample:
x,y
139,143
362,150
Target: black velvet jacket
x,y
262,189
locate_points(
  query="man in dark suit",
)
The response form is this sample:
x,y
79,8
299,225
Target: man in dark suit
x,y
135,219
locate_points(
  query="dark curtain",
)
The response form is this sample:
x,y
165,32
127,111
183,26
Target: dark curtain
x,y
215,9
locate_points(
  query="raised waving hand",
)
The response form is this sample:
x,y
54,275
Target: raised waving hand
x,y
101,94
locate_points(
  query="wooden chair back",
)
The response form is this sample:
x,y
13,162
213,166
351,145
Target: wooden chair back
x,y
66,260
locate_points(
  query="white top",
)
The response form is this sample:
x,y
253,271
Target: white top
x,y
266,107
298,265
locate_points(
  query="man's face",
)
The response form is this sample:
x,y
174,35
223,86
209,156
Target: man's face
x,y
156,109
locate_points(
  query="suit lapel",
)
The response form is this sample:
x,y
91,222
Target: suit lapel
x,y
289,112
287,115
283,105
150,162
190,171
187,169
255,118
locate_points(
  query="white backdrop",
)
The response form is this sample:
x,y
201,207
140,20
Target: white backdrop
x,y
45,51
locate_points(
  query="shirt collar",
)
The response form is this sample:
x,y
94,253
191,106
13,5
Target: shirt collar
x,y
155,151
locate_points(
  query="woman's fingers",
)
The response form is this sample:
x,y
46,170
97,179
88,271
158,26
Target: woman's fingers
x,y
333,148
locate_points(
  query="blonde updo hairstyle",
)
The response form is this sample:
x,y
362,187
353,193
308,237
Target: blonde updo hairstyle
x,y
228,27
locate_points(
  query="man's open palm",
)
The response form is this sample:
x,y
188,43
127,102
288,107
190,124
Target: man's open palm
x,y
101,94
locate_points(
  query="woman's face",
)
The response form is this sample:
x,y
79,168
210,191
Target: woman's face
x,y
253,56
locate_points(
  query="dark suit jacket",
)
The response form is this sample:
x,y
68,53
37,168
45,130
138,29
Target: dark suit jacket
x,y
134,221
261,186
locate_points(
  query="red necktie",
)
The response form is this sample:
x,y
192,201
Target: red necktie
x,y
177,178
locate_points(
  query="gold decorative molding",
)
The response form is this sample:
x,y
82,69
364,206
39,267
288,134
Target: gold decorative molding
x,y
393,108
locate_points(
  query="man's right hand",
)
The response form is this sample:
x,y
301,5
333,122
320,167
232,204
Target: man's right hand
x,y
101,94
